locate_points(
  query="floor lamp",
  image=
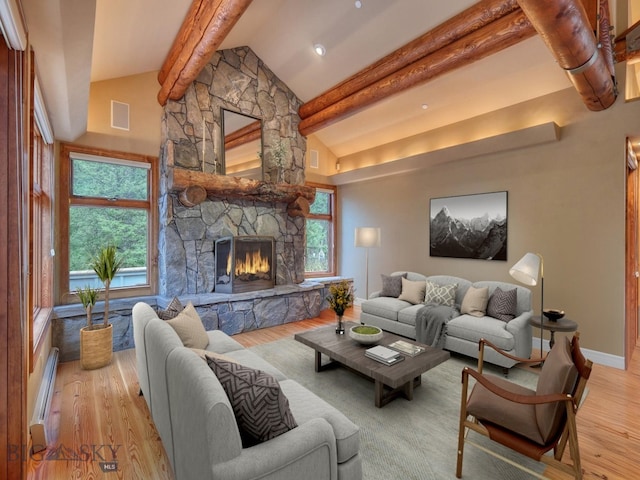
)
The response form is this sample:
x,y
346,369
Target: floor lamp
x,y
526,271
367,237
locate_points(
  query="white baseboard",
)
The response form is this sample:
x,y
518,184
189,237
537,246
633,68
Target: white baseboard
x,y
595,356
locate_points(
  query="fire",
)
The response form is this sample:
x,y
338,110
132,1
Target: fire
x,y
253,263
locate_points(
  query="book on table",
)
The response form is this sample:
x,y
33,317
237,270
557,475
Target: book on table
x,y
383,355
407,348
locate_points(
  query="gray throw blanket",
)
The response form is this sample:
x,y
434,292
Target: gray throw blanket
x,y
431,323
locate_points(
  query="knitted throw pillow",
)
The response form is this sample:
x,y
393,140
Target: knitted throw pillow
x,y
503,305
392,285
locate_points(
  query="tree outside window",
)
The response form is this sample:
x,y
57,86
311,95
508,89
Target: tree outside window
x,y
320,240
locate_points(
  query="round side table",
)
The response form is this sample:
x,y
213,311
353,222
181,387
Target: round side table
x,y
560,325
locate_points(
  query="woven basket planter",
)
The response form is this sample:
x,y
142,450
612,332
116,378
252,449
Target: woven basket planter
x,y
96,347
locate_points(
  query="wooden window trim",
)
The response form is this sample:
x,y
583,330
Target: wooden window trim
x,y
334,229
62,240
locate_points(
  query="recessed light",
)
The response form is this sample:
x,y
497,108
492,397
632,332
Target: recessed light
x,y
424,106
358,4
319,49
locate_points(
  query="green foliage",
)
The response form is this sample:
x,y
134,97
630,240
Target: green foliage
x,y
88,297
106,264
317,252
340,296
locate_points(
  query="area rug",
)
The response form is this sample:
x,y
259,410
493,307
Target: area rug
x,y
405,439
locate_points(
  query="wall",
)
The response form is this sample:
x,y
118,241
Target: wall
x,y
139,91
566,200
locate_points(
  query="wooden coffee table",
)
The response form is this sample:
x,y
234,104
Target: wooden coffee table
x,y
390,381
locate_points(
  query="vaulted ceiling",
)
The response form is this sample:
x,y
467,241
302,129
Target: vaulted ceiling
x,y
80,41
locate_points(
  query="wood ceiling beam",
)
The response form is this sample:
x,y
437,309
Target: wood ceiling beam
x,y
480,43
564,26
205,26
473,18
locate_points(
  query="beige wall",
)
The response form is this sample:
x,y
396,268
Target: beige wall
x,y
139,91
566,200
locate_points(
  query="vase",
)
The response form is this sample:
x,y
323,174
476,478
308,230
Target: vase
x,y
340,326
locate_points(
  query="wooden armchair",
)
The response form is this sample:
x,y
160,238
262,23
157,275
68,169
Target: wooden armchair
x,y
531,422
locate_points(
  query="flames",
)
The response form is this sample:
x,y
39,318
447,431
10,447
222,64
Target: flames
x,y
252,263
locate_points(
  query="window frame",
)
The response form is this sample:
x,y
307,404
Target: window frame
x,y
41,224
331,218
67,151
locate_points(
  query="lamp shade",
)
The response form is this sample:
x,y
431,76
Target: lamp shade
x,y
367,237
526,269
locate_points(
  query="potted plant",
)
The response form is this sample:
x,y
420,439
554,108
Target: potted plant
x,y
340,298
96,341
88,297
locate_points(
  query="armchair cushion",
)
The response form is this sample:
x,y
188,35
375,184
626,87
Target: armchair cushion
x,y
558,375
486,406
261,408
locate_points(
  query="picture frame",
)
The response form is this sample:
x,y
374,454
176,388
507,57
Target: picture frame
x,y
469,226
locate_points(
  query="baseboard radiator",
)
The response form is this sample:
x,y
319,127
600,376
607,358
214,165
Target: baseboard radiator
x,y
43,402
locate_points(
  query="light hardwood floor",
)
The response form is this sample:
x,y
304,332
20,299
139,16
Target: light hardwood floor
x,y
97,418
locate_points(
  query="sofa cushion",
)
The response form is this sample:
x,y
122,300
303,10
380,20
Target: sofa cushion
x,y
475,301
440,294
172,310
220,342
307,406
558,375
261,408
412,292
503,304
392,285
473,329
252,360
385,307
189,328
408,315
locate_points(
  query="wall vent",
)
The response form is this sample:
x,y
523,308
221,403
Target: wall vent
x,y
119,115
314,161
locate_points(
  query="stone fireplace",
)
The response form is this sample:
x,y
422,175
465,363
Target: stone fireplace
x,y
236,80
244,264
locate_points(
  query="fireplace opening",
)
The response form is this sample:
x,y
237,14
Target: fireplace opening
x,y
244,264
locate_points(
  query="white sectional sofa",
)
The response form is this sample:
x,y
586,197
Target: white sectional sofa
x,y
196,422
464,331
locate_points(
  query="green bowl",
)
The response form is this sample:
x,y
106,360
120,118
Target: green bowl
x,y
365,334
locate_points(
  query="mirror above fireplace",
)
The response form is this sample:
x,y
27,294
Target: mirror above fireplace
x,y
242,145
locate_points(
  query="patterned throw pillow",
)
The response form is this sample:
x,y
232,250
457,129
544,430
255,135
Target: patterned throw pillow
x,y
475,301
189,328
440,294
261,408
503,304
412,292
172,310
392,285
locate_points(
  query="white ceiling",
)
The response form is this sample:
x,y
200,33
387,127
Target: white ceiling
x,y
125,37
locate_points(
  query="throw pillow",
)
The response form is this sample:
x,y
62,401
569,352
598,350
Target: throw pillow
x,y
412,292
503,304
261,408
440,294
392,285
189,328
172,310
475,301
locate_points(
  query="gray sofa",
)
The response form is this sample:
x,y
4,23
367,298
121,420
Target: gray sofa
x,y
464,331
198,429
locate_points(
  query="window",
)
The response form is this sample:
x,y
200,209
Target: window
x,y
320,233
40,225
111,200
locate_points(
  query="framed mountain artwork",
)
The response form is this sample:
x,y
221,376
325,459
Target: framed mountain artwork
x,y
469,226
